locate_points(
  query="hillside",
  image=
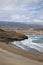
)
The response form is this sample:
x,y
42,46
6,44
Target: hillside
x,y
9,36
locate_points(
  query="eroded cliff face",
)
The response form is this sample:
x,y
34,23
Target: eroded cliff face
x,y
9,36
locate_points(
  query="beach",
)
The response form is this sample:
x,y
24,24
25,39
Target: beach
x,y
23,53
8,58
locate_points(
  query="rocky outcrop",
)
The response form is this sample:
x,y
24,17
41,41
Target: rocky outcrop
x,y
9,36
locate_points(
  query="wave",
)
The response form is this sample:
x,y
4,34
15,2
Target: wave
x,y
26,44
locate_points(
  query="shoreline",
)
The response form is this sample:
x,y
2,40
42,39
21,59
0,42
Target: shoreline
x,y
28,55
33,51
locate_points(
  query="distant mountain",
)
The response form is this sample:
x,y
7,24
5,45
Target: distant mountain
x,y
21,24
15,24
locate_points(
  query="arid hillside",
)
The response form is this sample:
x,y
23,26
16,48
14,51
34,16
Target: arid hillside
x,y
9,36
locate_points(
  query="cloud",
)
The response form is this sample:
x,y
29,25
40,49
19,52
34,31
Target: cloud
x,y
18,18
6,8
21,10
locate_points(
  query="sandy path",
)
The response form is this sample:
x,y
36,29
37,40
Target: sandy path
x,y
8,58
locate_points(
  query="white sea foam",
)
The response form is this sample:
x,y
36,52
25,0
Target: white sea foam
x,y
28,43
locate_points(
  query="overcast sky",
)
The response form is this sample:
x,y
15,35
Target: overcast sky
x,y
21,10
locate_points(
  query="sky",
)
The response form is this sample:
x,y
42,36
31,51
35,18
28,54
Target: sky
x,y
21,10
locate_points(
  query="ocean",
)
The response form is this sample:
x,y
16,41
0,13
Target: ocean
x,y
34,43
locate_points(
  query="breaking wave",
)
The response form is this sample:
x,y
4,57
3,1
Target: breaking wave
x,y
33,42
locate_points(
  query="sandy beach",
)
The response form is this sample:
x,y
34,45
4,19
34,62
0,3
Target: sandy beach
x,y
8,58
28,55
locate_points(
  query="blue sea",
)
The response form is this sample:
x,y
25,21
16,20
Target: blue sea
x,y
33,43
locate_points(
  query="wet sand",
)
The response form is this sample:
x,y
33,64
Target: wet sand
x,y
28,55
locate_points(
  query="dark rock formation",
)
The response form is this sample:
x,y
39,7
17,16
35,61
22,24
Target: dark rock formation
x,y
9,36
